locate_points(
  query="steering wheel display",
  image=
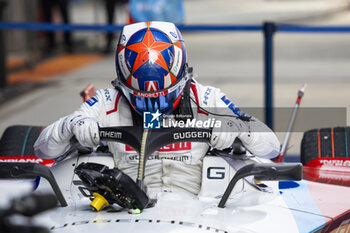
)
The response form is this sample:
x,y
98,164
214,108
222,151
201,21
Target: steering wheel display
x,y
111,186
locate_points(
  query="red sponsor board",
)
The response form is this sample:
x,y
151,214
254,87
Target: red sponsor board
x,y
27,159
328,170
179,146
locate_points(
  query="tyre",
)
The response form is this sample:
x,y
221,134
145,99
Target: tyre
x,y
18,140
325,143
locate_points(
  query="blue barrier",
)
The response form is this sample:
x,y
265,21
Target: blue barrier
x,y
59,27
113,28
269,29
256,28
313,29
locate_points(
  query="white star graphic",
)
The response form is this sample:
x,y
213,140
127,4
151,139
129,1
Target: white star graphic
x,y
156,115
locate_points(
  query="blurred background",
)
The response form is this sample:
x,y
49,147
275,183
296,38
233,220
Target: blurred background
x,y
43,73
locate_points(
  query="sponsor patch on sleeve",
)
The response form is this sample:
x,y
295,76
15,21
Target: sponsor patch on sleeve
x,y
107,95
206,95
236,110
91,101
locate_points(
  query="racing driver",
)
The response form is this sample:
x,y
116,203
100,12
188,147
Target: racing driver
x,y
153,76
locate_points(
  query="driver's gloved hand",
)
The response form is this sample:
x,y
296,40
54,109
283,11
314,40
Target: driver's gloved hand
x,y
85,130
224,136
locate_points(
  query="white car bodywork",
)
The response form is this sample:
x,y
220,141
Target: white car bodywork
x,y
247,210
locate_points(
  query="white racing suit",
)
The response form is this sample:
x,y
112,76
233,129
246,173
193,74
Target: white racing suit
x,y
176,167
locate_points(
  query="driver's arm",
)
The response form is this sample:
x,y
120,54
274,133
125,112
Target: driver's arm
x,y
54,140
255,136
259,139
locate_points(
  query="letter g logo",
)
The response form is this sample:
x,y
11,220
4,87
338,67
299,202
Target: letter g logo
x,y
217,173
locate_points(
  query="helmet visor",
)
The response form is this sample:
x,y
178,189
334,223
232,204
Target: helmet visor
x,y
164,100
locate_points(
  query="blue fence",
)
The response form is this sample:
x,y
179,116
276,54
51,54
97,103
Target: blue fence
x,y
268,29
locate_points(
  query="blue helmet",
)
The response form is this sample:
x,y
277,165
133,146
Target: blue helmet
x,y
151,63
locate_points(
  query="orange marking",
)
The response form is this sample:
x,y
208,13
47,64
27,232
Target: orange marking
x,y
15,62
160,46
176,102
128,81
178,44
173,78
53,67
148,39
319,143
120,48
160,61
140,60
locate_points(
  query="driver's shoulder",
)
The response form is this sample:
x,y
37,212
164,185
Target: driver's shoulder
x,y
108,95
112,100
205,95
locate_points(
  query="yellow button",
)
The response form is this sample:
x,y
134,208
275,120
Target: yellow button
x,y
98,202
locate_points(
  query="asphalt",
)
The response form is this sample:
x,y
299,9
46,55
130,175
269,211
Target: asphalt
x,y
239,74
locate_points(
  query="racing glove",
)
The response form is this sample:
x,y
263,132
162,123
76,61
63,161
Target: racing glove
x,y
85,130
224,136
260,141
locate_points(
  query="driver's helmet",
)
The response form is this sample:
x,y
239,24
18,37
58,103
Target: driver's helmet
x,y
151,63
